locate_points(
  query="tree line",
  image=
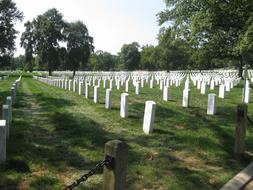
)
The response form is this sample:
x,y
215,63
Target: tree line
x,y
194,34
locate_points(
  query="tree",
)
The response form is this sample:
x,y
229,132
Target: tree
x,y
9,15
130,56
103,61
174,53
149,58
48,33
79,45
223,28
28,42
17,62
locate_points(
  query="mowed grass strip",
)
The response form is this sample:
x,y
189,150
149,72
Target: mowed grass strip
x,y
58,135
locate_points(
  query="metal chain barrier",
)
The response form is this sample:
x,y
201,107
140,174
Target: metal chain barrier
x,y
108,162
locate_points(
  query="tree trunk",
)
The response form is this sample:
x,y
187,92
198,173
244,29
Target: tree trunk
x,y
240,67
30,67
74,73
49,72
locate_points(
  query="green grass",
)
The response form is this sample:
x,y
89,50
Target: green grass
x,y
57,135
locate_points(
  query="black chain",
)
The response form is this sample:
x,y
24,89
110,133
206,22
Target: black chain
x,y
108,162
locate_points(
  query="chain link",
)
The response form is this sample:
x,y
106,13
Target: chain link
x,y
108,162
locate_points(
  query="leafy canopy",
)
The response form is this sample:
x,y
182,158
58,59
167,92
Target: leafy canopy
x,y
9,15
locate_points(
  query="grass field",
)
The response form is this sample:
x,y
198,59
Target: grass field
x,y
57,135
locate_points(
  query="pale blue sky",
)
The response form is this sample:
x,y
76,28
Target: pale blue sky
x,y
111,23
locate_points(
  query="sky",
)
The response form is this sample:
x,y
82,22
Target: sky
x,y
111,23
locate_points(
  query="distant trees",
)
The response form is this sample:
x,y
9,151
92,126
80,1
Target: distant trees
x,y
103,61
214,29
149,58
44,35
9,15
201,35
174,53
130,56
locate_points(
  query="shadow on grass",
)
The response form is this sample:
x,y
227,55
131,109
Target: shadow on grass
x,y
197,134
45,134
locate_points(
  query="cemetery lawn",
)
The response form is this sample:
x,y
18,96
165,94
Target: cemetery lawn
x,y
58,135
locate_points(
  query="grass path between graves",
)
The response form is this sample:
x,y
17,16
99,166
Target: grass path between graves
x,y
57,135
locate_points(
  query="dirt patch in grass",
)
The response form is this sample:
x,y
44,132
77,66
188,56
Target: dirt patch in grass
x,y
189,161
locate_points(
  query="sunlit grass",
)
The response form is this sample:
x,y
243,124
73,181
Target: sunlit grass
x,y
57,135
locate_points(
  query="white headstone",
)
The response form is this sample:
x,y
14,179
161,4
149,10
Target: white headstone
x,y
186,98
247,94
80,88
187,83
124,105
211,106
66,84
137,87
87,90
221,91
118,84
165,93
203,88
199,84
212,85
161,85
142,83
96,94
111,83
149,117
151,83
74,85
99,83
127,85
108,99
227,85
70,82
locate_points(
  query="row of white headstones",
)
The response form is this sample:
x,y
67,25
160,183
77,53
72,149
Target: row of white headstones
x,y
6,121
138,82
225,82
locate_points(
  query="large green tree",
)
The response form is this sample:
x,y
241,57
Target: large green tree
x,y
9,15
28,42
130,56
223,28
150,58
48,33
174,53
79,45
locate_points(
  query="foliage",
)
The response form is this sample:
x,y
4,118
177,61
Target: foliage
x,y
48,33
149,58
130,56
9,15
79,44
174,53
222,29
103,61
18,63
28,42
45,36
